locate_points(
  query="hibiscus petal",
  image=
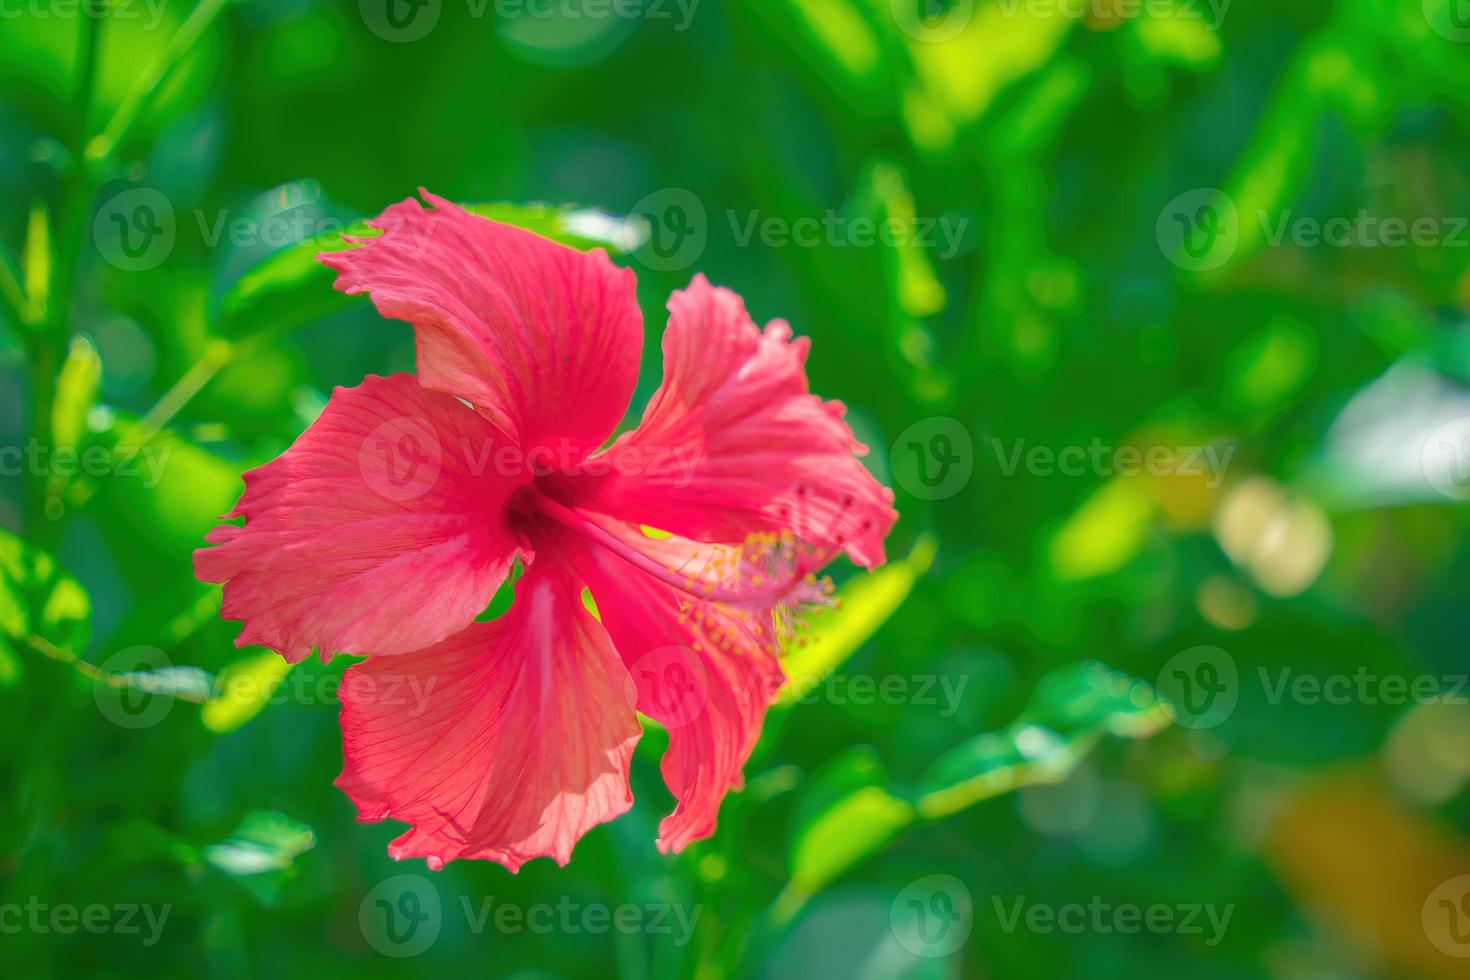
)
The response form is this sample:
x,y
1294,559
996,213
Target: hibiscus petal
x,y
734,443
507,741
382,529
542,339
703,670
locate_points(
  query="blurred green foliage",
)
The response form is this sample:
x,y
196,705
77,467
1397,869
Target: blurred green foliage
x,y
1165,400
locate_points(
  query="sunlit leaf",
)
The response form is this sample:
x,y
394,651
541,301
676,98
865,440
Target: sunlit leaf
x,y
243,690
845,815
1072,708
35,261
580,228
76,392
849,811
1103,534
961,71
867,602
31,579
163,489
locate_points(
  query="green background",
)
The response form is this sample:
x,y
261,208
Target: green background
x,y
1113,177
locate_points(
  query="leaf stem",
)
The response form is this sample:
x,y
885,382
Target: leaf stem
x,y
216,355
102,147
46,339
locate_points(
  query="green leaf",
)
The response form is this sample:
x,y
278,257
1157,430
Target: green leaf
x,y
163,492
1104,534
35,262
849,811
867,602
291,288
911,291
261,853
844,815
31,579
1072,709
286,290
12,670
244,688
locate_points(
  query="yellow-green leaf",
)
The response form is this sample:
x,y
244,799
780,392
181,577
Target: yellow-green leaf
x,y
76,392
30,577
867,602
243,689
